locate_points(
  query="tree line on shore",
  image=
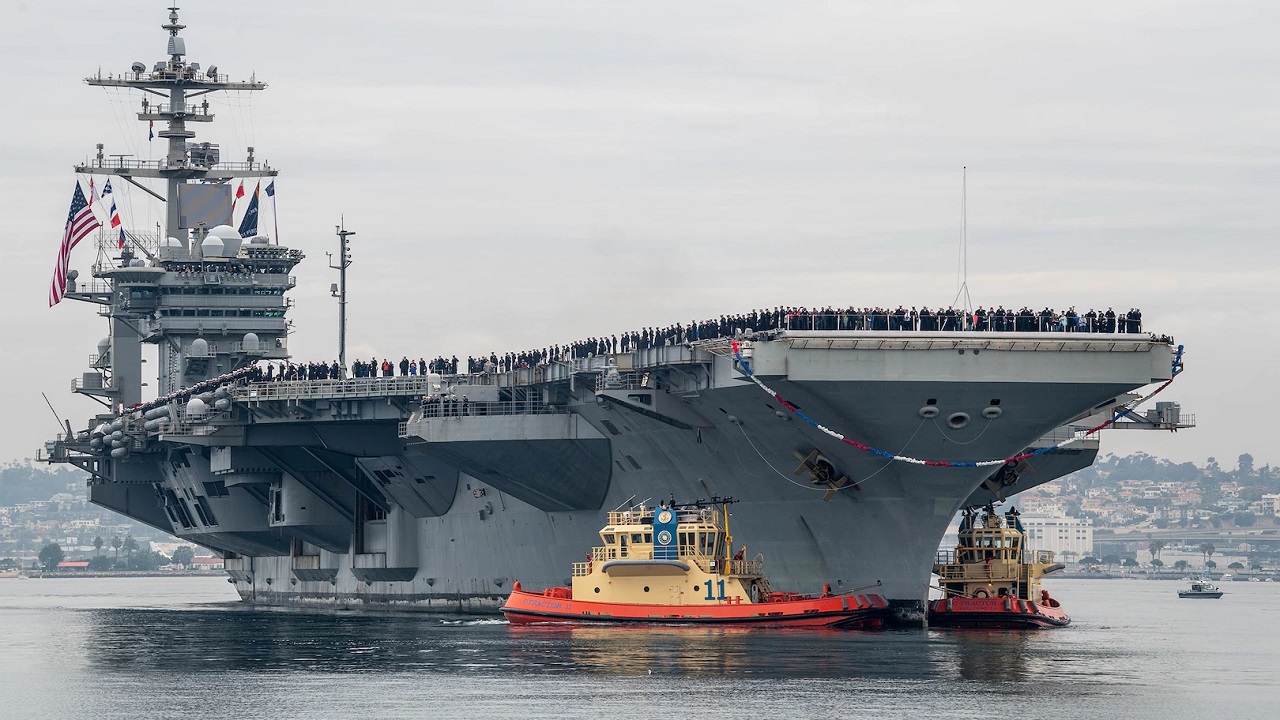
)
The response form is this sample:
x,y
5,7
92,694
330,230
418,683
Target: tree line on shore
x,y
135,557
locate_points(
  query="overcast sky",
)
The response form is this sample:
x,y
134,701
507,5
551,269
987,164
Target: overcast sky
x,y
527,173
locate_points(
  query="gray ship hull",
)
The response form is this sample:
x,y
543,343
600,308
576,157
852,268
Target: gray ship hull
x,y
475,498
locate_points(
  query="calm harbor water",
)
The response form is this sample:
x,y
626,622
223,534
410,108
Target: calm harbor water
x,y
184,647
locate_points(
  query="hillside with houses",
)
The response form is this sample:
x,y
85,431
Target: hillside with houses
x,y
1147,514
46,523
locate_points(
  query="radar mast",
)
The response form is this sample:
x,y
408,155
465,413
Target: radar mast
x,y
176,81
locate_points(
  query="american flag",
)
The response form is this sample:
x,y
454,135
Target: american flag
x,y
80,222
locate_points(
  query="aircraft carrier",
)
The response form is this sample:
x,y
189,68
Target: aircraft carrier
x,y
357,492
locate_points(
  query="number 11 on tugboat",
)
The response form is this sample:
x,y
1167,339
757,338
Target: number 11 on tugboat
x,y
672,564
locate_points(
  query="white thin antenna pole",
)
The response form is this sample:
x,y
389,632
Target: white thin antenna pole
x,y
963,301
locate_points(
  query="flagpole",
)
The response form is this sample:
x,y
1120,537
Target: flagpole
x,y
275,217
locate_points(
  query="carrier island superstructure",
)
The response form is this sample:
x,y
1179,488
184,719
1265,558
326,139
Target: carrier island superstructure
x,y
348,492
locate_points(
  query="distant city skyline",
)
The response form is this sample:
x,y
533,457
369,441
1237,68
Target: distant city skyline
x,y
521,175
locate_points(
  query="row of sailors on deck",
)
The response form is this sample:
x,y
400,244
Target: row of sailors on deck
x,y
997,319
781,318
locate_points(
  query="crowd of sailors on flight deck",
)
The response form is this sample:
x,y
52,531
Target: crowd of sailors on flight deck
x,y
726,326
924,319
997,319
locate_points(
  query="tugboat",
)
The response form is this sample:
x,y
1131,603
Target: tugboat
x,y
672,564
1201,589
992,580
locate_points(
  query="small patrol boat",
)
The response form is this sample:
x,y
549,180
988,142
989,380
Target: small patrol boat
x,y
1201,589
992,580
672,564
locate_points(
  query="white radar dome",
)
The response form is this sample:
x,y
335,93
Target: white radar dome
x,y
170,247
212,246
259,240
104,346
225,232
198,348
251,342
197,408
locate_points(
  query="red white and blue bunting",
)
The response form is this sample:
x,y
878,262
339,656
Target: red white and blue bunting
x,y
1126,409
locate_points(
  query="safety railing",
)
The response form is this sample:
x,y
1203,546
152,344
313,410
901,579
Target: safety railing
x,y
1062,434
193,427
961,321
686,553
119,163
262,347
198,272
353,388
194,75
996,570
458,408
78,385
93,287
157,111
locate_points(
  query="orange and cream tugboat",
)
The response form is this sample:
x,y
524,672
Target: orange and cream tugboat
x,y
672,564
992,580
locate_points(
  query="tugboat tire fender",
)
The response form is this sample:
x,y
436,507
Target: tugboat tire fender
x,y
981,593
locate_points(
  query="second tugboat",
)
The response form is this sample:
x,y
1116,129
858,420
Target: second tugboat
x,y
992,580
672,564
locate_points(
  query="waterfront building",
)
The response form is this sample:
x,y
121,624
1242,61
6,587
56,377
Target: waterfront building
x,y
1068,537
